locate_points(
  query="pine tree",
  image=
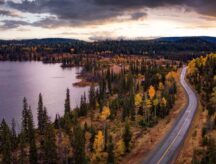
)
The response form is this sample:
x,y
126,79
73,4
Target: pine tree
x,y
67,102
132,105
83,106
91,144
40,114
14,135
110,151
92,97
49,146
32,142
78,144
127,136
22,154
6,144
25,119
57,122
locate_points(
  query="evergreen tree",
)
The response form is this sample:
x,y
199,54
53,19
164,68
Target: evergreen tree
x,y
40,114
92,97
22,154
6,144
67,102
127,136
79,145
93,133
110,151
132,105
49,145
57,122
32,142
83,106
14,135
25,119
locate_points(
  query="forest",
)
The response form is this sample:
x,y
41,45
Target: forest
x,y
182,48
121,104
202,75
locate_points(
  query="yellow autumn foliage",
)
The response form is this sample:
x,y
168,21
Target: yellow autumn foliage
x,y
151,92
120,147
161,86
99,142
171,76
148,103
155,102
192,67
164,102
138,99
105,113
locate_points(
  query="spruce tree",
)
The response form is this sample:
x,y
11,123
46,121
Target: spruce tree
x,y
67,102
110,151
6,144
32,142
25,119
79,145
22,154
14,135
40,114
127,136
49,145
93,133
92,97
132,105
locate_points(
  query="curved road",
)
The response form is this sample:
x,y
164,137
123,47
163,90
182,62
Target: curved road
x,y
167,150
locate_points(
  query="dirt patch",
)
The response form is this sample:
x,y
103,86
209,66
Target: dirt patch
x,y
82,83
145,142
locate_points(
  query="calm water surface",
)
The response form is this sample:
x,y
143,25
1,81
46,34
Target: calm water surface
x,y
28,79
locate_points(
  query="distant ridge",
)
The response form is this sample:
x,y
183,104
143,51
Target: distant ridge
x,y
185,39
66,40
41,41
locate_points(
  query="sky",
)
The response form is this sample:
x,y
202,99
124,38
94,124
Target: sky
x,y
94,20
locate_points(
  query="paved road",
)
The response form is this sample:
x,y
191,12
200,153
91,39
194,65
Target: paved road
x,y
166,151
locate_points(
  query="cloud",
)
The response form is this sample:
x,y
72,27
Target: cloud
x,y
9,24
138,15
8,13
206,7
2,2
85,12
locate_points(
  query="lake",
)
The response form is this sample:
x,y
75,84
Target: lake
x,y
28,79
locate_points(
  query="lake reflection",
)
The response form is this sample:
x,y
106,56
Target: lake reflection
x,y
28,79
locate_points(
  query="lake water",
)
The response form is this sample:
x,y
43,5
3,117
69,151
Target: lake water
x,y
28,79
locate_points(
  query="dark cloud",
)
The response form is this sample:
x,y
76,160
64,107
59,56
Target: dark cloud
x,y
2,2
207,7
8,13
10,24
75,10
138,15
79,12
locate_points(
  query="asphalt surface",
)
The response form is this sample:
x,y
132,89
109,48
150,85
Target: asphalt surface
x,y
167,150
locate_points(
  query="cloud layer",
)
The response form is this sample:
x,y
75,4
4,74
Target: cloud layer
x,y
78,13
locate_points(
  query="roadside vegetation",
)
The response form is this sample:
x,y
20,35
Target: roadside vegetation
x,y
202,75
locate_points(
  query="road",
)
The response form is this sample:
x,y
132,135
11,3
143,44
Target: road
x,y
167,150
